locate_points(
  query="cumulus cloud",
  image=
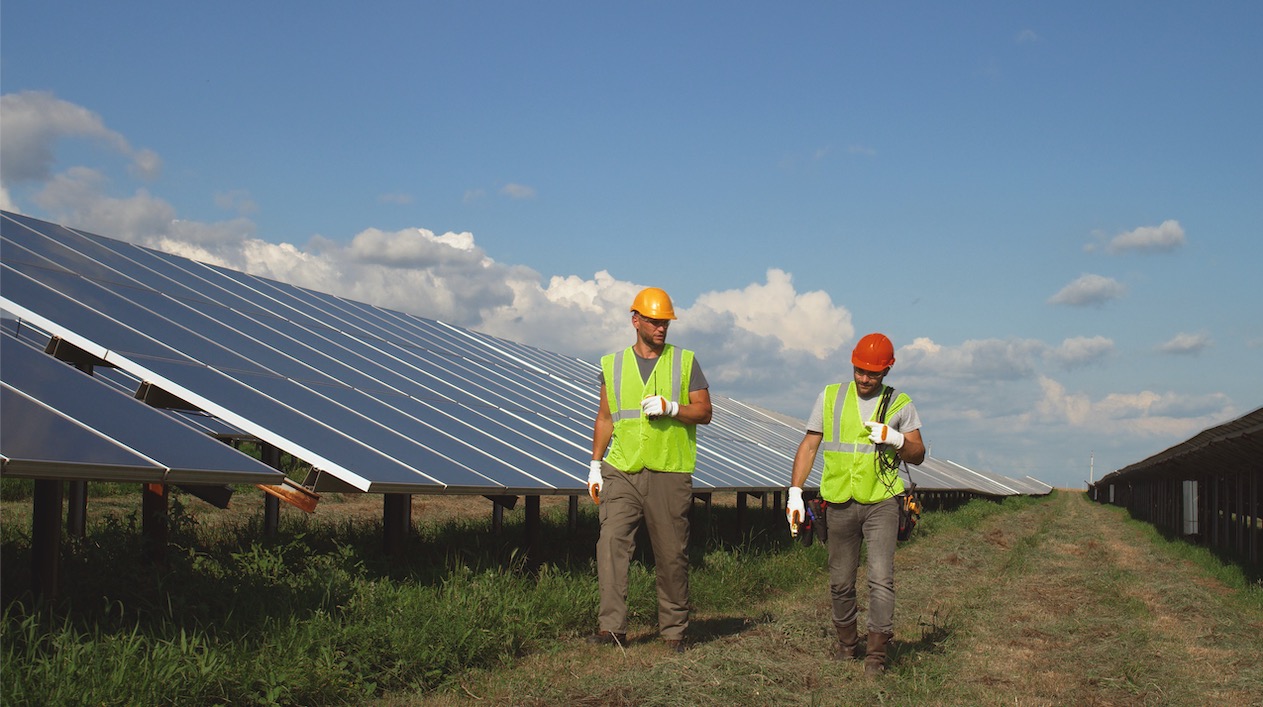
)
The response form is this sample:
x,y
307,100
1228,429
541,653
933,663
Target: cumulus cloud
x,y
1089,290
415,248
1186,344
1146,413
77,198
1162,238
806,321
993,359
35,121
1081,351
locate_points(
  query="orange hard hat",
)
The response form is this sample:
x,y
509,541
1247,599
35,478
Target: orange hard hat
x,y
874,352
653,303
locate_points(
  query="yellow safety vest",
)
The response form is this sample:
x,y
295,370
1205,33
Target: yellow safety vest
x,y
663,443
851,469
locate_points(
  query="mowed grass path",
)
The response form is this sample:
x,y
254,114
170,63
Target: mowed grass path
x,y
1059,602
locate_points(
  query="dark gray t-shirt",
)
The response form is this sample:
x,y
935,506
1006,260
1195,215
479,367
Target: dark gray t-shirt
x,y
697,379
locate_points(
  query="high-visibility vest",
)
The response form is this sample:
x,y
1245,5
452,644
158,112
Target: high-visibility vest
x,y
851,468
663,443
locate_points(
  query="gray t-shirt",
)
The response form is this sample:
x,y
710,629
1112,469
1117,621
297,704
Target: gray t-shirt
x,y
905,420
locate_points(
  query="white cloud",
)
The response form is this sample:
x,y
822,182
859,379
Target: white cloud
x,y
145,165
1081,351
34,121
992,359
415,248
517,191
1147,413
1089,290
800,322
1186,344
1148,239
1026,36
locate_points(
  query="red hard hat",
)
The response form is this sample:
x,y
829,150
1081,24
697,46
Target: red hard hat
x,y
874,352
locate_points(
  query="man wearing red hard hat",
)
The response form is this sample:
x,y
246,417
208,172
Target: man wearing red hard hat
x,y
865,429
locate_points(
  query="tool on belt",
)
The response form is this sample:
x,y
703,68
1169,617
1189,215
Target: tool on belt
x,y
909,506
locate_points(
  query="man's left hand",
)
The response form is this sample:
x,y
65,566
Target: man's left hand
x,y
879,433
656,405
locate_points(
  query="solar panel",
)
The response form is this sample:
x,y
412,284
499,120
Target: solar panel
x,y
60,422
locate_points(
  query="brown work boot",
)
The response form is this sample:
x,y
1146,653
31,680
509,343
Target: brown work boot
x,y
604,638
676,645
848,642
875,661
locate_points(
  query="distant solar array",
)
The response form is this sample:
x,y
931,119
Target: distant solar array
x,y
376,400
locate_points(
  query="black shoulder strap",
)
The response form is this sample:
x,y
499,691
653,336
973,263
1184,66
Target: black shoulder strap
x,y
886,395
882,407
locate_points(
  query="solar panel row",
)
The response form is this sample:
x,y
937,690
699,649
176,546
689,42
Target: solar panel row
x,y
381,400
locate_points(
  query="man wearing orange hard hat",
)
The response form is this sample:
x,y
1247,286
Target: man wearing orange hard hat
x,y
653,396
866,430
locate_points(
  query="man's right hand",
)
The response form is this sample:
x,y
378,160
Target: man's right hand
x,y
795,511
594,481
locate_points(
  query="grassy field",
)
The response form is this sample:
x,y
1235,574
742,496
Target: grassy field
x,y
1048,601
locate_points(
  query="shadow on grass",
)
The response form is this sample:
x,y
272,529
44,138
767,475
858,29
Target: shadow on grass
x,y
707,630
934,634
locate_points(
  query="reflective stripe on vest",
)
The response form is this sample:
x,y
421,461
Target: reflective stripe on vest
x,y
663,443
850,459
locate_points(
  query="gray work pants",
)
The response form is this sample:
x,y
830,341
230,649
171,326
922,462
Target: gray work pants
x,y
850,524
662,500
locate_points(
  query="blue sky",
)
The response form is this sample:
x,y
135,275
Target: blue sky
x,y
1053,209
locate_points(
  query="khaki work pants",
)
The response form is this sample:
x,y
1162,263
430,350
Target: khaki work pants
x,y
662,500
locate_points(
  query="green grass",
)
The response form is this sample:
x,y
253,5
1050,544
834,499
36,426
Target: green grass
x,y
318,615
1043,601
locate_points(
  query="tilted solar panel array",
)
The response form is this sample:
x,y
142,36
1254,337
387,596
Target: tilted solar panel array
x,y
383,401
62,423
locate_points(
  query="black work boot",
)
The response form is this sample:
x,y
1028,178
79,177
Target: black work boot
x,y
875,661
848,641
608,638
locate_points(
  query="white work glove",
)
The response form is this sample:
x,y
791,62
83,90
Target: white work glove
x,y
879,433
594,481
656,405
795,511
